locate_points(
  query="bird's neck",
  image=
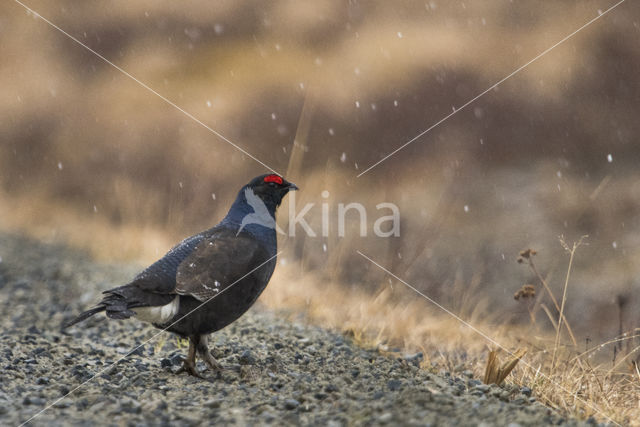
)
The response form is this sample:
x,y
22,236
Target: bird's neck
x,y
240,209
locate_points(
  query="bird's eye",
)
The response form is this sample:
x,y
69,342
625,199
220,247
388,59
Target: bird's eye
x,y
272,184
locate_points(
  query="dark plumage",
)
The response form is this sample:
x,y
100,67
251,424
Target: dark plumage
x,y
226,267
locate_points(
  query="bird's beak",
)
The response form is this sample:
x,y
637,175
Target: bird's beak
x,y
292,187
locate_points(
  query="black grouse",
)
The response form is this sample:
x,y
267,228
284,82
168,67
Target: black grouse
x,y
209,280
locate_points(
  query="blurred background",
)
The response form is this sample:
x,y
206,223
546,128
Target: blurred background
x,y
320,91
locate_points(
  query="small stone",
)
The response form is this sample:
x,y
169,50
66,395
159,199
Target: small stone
x,y
386,417
138,351
176,359
132,407
246,358
291,404
329,388
394,385
62,404
482,387
414,359
213,403
38,401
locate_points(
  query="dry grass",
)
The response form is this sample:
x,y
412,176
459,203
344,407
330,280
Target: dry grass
x,y
496,372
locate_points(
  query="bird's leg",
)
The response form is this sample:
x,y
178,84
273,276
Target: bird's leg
x,y
189,364
205,354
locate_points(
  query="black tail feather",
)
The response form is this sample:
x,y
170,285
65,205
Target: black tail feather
x,y
118,303
83,316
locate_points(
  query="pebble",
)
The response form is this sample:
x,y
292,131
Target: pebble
x,y
394,385
246,358
482,387
291,404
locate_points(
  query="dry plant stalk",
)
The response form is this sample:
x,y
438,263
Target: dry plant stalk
x,y
496,373
528,256
572,252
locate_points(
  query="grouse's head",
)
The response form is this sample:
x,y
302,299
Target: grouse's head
x,y
271,188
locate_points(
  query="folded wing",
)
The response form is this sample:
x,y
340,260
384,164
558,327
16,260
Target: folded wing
x,y
218,262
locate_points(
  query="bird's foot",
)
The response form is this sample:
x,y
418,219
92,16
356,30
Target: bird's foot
x,y
189,368
211,362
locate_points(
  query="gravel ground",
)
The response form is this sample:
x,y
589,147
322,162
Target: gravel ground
x,y
276,371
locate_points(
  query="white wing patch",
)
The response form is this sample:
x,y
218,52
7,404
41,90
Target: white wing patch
x,y
159,314
214,290
203,292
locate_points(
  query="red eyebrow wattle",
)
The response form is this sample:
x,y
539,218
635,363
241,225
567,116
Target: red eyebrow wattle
x,y
273,178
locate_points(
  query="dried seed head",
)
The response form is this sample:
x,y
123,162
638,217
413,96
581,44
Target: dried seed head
x,y
528,253
526,291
